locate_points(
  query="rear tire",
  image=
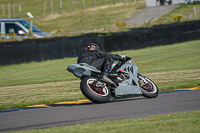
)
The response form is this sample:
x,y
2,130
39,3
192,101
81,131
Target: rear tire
x,y
102,96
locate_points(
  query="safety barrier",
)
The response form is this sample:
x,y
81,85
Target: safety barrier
x,y
62,47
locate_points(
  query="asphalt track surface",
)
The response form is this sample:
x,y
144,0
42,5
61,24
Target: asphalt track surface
x,y
149,14
71,114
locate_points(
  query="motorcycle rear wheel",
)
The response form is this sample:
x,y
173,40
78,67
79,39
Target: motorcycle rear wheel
x,y
149,90
96,95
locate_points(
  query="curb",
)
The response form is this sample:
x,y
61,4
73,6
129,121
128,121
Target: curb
x,y
61,103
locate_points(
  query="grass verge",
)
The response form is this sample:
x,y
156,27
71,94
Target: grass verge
x,y
185,122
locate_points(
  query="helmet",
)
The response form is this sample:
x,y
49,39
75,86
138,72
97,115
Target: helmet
x,y
92,46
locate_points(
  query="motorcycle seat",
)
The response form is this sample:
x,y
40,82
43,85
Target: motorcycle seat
x,y
86,65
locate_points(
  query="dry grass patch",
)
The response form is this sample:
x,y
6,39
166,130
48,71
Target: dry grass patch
x,y
168,80
39,92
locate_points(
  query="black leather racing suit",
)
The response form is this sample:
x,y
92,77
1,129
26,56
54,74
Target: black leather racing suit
x,y
100,60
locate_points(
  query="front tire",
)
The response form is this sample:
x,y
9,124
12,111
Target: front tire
x,y
99,95
149,90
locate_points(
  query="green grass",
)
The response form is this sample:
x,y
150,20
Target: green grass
x,y
186,122
36,72
170,67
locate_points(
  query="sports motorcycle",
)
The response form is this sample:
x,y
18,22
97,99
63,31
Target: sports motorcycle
x,y
124,82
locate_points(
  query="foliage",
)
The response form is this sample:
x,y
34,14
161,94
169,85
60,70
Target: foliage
x,y
178,18
121,24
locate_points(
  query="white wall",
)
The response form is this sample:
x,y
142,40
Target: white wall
x,y
150,3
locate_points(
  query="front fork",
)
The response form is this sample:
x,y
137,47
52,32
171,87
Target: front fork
x,y
141,80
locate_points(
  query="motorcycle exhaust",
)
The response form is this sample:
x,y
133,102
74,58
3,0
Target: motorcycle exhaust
x,y
106,79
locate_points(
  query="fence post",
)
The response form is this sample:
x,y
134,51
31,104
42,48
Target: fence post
x,y
8,10
44,7
83,5
13,10
51,6
20,9
2,10
194,12
114,2
60,6
30,26
73,9
125,1
104,2
94,3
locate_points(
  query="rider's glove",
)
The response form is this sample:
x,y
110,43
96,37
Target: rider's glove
x,y
128,58
123,57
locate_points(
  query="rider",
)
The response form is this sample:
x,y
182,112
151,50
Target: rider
x,y
100,60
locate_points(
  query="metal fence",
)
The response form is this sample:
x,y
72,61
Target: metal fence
x,y
11,11
78,4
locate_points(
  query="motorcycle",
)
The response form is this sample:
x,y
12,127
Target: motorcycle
x,y
124,82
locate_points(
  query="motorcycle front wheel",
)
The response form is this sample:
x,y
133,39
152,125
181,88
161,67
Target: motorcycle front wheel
x,y
149,90
94,94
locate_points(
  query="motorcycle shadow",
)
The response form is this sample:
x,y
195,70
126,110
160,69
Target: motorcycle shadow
x,y
92,103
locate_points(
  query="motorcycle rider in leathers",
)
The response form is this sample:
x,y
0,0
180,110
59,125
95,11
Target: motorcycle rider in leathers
x,y
100,60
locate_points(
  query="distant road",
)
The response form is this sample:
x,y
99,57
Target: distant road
x,y
64,115
149,13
